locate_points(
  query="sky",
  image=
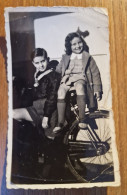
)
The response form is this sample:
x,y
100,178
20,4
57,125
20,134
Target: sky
x,y
50,32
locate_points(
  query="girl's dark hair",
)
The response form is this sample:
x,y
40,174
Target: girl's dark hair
x,y
39,52
68,40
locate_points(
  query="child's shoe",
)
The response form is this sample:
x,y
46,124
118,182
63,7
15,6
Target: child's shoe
x,y
58,128
83,125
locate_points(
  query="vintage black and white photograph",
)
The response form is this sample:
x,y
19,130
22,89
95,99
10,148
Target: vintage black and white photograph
x,y
61,132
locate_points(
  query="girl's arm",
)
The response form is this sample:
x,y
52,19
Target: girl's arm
x,y
97,84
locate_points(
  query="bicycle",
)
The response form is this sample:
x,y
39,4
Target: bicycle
x,y
91,146
87,155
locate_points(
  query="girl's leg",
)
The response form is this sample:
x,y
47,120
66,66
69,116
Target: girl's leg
x,y
20,114
81,101
61,106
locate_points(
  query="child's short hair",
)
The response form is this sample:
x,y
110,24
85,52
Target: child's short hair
x,y
68,40
39,52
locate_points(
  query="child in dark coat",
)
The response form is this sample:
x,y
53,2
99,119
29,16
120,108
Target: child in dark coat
x,y
79,70
44,91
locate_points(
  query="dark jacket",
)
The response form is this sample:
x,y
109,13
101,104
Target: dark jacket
x,y
48,87
91,73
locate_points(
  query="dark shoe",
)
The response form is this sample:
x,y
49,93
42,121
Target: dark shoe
x,y
58,128
49,140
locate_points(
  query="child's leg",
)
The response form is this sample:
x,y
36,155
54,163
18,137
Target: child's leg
x,y
21,113
81,101
61,105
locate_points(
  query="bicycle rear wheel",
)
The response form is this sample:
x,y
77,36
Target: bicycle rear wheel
x,y
90,154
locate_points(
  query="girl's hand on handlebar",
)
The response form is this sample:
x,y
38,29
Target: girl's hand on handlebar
x,y
45,122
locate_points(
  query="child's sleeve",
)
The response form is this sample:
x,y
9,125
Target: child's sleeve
x,y
59,66
51,102
96,77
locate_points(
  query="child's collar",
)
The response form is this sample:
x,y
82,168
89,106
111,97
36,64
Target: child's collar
x,y
44,73
77,56
41,76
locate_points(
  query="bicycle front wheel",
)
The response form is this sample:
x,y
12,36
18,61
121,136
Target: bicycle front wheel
x,y
90,153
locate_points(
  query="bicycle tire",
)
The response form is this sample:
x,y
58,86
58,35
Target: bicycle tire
x,y
78,166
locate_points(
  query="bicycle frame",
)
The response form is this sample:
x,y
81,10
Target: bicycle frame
x,y
91,147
